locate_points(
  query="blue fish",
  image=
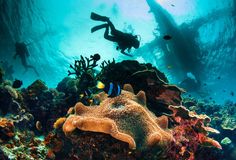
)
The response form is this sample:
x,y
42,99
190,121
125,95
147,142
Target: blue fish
x,y
111,89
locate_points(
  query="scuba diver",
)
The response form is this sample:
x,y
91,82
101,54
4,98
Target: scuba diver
x,y
124,40
23,53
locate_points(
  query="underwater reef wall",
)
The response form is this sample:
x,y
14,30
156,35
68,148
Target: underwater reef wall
x,y
42,123
127,119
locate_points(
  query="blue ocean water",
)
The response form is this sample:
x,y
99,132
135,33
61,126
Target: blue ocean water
x,y
191,41
202,44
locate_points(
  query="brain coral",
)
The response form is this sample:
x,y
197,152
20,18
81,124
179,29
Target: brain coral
x,y
125,118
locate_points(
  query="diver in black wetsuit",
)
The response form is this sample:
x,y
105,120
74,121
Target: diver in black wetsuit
x,y
23,53
124,40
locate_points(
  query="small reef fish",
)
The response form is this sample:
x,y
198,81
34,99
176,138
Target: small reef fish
x,y
17,83
111,89
38,126
87,96
167,37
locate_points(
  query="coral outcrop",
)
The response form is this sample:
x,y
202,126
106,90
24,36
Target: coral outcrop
x,y
110,128
190,132
45,104
112,71
125,118
6,129
24,145
184,116
144,77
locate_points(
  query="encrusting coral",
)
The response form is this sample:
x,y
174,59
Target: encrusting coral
x,y
190,132
6,129
24,145
125,118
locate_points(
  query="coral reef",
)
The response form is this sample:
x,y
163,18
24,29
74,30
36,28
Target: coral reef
x,y
6,129
225,141
150,124
55,144
84,65
37,87
24,145
223,119
125,118
190,132
68,86
144,77
45,104
9,98
83,69
122,72
6,100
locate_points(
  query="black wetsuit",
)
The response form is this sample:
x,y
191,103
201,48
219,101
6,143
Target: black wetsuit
x,y
124,40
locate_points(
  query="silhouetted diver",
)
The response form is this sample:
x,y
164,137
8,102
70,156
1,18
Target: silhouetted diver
x,y
124,40
23,53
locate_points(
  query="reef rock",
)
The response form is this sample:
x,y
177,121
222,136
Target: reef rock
x,y
5,100
37,87
126,71
45,104
125,118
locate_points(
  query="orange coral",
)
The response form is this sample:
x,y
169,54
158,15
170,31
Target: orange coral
x,y
6,129
59,122
125,118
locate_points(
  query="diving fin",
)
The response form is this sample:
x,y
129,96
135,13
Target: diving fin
x,y
127,54
98,27
97,17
